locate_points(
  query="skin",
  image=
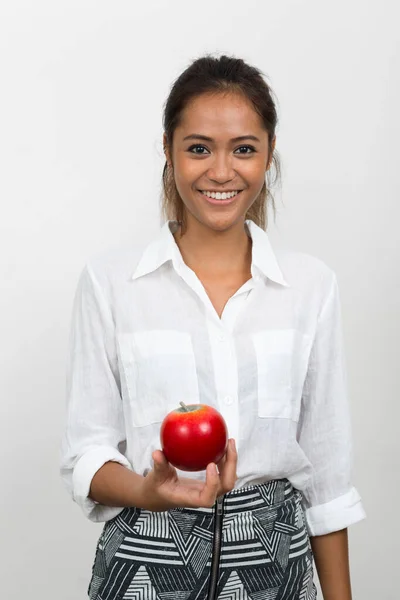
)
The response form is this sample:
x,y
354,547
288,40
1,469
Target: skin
x,y
221,164
162,489
215,244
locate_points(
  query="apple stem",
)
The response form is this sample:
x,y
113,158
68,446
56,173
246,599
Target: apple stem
x,y
185,408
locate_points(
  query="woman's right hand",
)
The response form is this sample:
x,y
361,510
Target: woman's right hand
x,y
163,489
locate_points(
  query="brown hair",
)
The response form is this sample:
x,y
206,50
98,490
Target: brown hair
x,y
224,74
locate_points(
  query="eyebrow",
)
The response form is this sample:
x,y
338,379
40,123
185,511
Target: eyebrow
x,y
198,136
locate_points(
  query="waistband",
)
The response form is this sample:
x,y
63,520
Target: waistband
x,y
250,498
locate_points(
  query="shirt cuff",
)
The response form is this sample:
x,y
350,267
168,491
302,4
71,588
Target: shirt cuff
x,y
336,514
84,471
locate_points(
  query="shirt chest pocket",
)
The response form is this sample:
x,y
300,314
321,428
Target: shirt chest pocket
x,y
282,359
158,370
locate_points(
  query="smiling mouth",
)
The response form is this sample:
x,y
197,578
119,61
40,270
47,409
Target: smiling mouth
x,y
216,199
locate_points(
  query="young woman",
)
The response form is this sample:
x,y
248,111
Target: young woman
x,y
209,313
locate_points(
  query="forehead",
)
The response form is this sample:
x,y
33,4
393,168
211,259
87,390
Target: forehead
x,y
225,114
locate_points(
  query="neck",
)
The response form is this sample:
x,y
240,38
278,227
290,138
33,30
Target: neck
x,y
215,253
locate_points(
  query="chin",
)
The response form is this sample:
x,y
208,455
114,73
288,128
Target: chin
x,y
217,222
222,224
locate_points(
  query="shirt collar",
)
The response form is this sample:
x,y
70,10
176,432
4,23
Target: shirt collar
x,y
164,249
263,256
159,251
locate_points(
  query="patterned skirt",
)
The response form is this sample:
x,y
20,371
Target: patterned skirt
x,y
264,553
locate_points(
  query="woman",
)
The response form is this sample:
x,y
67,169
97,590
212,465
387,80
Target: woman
x,y
209,313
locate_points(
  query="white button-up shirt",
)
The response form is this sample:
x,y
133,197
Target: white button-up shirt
x,y
145,336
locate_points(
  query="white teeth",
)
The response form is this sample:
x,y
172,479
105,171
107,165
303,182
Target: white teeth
x,y
221,195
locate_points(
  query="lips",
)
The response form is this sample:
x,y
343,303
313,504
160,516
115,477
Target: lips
x,y
216,202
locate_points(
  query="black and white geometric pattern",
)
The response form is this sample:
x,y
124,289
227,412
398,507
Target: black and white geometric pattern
x,y
265,551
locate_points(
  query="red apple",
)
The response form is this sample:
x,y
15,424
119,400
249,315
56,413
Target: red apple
x,y
193,436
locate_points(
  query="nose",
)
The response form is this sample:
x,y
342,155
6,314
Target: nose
x,y
221,170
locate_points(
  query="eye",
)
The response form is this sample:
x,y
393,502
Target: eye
x,y
191,149
251,148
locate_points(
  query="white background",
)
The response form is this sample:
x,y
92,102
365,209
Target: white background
x,y
82,89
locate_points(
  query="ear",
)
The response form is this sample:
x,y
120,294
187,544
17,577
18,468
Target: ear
x,y
273,144
166,150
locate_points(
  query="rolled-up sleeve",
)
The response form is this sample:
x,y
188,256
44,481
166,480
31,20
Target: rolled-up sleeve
x,y
324,430
94,430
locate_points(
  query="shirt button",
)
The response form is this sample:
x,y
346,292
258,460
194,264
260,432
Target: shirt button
x,y
228,400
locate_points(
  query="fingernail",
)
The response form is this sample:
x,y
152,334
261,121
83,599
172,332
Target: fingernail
x,y
233,444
